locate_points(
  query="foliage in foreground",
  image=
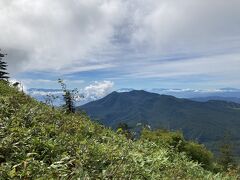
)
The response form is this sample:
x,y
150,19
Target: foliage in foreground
x,y
197,152
37,142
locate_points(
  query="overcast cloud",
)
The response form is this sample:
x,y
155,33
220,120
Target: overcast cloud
x,y
131,38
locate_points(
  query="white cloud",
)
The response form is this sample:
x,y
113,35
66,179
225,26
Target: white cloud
x,y
212,66
86,68
180,26
98,90
36,92
29,81
66,36
52,35
202,72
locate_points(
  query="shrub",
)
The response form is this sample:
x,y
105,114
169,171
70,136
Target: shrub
x,y
199,153
196,152
172,139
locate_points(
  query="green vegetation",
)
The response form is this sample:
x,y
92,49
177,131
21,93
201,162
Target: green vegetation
x,y
38,142
195,151
226,158
124,129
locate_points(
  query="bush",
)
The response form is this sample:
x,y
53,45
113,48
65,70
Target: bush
x,y
173,139
199,153
194,151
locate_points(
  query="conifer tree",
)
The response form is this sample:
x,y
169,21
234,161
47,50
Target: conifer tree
x,y
69,96
3,68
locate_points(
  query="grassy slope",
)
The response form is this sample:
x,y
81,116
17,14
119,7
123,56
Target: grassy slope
x,y
37,142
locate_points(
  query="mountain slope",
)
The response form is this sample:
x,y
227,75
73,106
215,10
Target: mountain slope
x,y
203,121
38,142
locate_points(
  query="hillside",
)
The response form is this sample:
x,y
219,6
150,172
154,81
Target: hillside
x,y
38,142
205,122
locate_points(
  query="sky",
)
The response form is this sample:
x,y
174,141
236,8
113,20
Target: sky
x,y
99,45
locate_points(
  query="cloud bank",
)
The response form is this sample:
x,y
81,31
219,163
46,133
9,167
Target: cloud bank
x,y
98,90
69,36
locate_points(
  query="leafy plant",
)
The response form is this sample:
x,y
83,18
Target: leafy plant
x,y
196,152
226,159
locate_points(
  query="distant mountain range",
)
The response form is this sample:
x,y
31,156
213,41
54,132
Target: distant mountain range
x,y
228,99
202,121
193,93
41,95
226,94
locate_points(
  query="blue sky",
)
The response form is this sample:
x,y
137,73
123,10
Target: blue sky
x,y
122,43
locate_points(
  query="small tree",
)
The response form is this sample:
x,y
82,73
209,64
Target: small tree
x,y
3,68
50,98
69,96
